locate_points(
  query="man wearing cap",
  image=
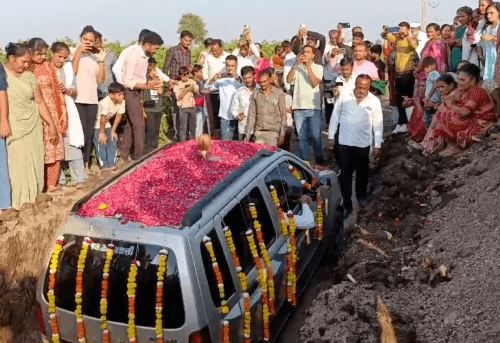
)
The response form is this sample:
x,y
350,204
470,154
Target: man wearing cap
x,y
421,37
306,37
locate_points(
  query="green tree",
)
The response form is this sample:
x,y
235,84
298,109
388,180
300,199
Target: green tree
x,y
195,24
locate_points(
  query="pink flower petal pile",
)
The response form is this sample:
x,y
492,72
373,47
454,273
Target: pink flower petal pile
x,y
160,192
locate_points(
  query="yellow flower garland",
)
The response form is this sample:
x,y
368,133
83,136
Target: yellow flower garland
x,y
281,214
131,291
319,217
160,277
224,308
104,293
263,283
51,296
247,318
292,298
243,283
295,173
265,256
82,257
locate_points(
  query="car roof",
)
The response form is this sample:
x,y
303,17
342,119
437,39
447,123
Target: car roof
x,y
169,188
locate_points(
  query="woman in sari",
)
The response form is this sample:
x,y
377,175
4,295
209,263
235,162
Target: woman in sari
x,y
465,113
464,17
261,64
27,110
489,44
46,76
435,48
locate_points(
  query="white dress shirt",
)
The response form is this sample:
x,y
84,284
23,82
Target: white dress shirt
x,y
241,104
288,63
347,85
227,91
249,60
118,68
213,65
360,123
329,64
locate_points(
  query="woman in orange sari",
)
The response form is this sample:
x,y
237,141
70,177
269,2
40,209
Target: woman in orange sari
x,y
465,114
49,86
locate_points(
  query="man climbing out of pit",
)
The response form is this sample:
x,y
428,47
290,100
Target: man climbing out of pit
x,y
361,124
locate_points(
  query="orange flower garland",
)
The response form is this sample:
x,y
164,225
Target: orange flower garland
x,y
160,276
224,308
265,256
82,257
306,185
247,317
225,332
131,290
263,284
292,260
281,215
319,217
104,293
295,173
51,296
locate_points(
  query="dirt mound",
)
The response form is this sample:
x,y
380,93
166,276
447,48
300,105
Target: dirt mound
x,y
428,243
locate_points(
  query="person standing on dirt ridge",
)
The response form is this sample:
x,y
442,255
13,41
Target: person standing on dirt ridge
x,y
5,202
361,122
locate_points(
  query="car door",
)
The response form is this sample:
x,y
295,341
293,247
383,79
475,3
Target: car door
x,y
236,217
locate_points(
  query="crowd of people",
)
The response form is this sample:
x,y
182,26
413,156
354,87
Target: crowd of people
x,y
59,105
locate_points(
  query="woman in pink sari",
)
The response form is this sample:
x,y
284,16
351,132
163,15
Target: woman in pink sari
x,y
261,64
436,48
465,114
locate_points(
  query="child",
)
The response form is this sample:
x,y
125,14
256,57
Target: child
x,y
201,109
153,102
185,90
432,97
105,137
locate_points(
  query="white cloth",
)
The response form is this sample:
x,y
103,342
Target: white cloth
x,y
118,67
360,124
213,65
227,89
305,96
422,39
305,220
75,130
241,104
288,63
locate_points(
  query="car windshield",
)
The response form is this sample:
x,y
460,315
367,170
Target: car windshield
x,y
124,253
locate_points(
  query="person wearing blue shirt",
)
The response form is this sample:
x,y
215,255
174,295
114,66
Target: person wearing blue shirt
x,y
5,200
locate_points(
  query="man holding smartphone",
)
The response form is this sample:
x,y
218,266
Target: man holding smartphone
x,y
307,77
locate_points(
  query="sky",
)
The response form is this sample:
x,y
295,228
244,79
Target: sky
x,y
269,19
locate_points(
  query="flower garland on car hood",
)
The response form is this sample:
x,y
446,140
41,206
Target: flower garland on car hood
x,y
82,258
54,263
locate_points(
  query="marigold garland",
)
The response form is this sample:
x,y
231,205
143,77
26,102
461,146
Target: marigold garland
x,y
306,185
225,332
131,291
290,275
319,217
51,296
224,308
242,280
292,298
160,277
265,256
261,270
295,173
104,293
247,318
281,214
82,257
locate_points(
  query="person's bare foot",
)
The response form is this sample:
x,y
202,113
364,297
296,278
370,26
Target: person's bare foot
x,y
450,151
53,189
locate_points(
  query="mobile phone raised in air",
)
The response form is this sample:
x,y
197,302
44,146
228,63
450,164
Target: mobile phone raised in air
x,y
338,84
394,29
345,25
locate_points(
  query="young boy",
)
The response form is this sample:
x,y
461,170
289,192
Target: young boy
x,y
201,106
185,90
153,103
105,137
432,96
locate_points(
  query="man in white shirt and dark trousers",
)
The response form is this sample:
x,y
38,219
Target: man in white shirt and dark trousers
x,y
361,125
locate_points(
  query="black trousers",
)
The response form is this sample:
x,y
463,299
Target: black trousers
x,y
153,123
215,120
353,159
405,85
88,115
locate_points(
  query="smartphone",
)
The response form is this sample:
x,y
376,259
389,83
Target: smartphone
x,y
345,25
394,29
338,84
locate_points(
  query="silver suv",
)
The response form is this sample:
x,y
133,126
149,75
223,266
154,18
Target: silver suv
x,y
193,309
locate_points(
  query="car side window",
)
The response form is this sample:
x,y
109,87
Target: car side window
x,y
239,220
223,267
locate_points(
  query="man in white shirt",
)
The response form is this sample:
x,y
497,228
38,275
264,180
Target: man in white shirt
x,y
241,101
214,63
307,103
289,61
227,83
361,125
